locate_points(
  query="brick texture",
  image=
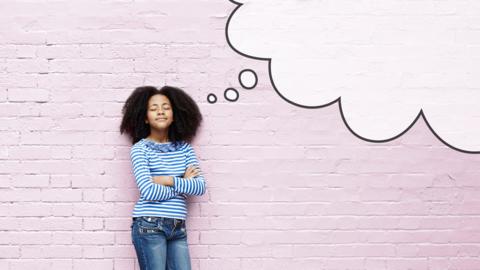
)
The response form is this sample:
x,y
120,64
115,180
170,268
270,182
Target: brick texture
x,y
288,188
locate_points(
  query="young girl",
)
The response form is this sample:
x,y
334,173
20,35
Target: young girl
x,y
161,124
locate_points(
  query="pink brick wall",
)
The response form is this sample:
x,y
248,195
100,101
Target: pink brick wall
x,y
288,188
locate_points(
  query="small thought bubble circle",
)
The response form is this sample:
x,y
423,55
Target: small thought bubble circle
x,y
211,98
231,94
248,79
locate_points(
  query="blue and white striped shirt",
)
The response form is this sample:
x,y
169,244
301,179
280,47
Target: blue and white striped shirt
x,y
150,158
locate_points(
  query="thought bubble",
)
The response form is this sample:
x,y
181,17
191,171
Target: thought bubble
x,y
231,94
386,62
247,78
211,98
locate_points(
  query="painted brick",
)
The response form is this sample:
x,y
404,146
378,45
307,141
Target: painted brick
x,y
287,187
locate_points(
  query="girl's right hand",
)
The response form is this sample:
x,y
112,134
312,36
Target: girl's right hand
x,y
192,171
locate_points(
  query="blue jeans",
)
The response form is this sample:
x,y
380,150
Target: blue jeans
x,y
160,243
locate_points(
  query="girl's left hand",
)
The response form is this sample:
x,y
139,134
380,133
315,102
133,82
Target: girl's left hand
x,y
164,180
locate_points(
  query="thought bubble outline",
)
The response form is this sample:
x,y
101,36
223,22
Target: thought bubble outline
x,y
254,75
233,90
212,96
339,99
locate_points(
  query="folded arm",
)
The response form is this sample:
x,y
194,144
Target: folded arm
x,y
193,185
149,190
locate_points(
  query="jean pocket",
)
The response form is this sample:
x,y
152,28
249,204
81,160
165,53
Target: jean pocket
x,y
147,225
183,229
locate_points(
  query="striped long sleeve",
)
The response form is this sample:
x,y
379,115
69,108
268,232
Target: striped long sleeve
x,y
194,185
149,191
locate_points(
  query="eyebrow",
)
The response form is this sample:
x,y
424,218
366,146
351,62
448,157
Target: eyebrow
x,y
155,104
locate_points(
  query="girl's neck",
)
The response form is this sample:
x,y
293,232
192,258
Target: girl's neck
x,y
158,136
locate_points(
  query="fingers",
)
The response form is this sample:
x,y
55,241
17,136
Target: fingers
x,y
192,171
193,167
196,169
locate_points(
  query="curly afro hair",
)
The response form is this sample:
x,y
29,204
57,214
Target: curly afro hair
x,y
185,112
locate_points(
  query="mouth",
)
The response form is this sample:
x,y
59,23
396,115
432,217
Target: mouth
x,y
161,119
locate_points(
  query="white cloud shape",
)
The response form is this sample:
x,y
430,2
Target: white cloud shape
x,y
389,61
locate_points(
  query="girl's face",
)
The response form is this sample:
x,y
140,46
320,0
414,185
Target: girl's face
x,y
159,112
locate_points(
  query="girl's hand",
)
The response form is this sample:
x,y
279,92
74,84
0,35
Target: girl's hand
x,y
192,171
163,180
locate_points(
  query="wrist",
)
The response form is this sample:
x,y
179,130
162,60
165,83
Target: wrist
x,y
163,180
170,181
177,182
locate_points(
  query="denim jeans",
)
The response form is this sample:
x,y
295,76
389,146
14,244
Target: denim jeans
x,y
160,243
